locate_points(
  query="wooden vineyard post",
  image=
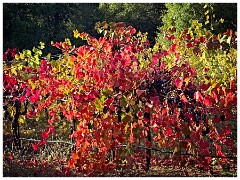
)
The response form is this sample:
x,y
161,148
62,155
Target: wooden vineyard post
x,y
73,128
149,140
15,125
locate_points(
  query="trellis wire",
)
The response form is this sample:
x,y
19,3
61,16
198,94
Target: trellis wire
x,y
118,146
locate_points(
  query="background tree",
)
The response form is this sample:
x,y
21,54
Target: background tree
x,y
26,24
180,15
145,17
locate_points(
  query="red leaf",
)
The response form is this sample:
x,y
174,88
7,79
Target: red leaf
x,y
179,82
164,53
168,132
71,163
109,101
162,66
216,120
42,142
226,130
51,129
45,135
203,144
93,95
188,37
198,96
22,98
208,101
155,100
35,147
133,31
202,39
32,99
205,87
189,45
228,142
171,38
173,48
10,156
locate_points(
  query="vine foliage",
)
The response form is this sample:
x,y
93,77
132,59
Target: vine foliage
x,y
121,95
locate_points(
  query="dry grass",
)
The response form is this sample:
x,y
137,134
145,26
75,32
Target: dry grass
x,y
51,161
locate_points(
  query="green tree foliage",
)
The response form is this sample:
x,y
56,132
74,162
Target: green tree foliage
x,y
26,24
145,17
216,17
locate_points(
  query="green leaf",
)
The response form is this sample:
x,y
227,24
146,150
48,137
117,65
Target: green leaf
x,y
49,57
106,92
123,102
99,104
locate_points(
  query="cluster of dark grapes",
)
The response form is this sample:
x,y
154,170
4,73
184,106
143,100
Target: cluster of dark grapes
x,y
162,86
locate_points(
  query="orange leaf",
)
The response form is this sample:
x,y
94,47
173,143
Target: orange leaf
x,y
71,163
161,143
75,156
131,140
140,92
183,98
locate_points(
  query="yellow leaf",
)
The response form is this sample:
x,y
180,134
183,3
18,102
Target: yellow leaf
x,y
187,79
22,56
71,60
11,110
22,119
37,118
13,71
76,34
32,84
19,67
61,87
126,127
206,22
50,158
17,57
221,20
207,17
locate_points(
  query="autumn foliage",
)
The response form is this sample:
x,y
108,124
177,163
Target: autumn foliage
x,y
126,98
